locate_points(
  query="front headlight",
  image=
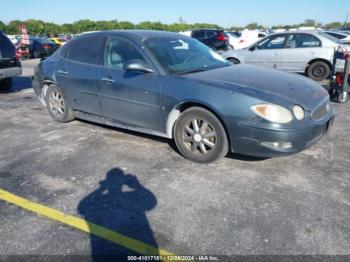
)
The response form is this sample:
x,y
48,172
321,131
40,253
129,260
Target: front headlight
x,y
273,113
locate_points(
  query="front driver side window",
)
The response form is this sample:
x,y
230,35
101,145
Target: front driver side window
x,y
118,52
273,42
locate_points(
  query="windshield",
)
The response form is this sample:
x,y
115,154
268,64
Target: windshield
x,y
179,55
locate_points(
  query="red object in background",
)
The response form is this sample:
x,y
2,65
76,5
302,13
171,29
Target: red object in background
x,y
46,46
221,37
339,78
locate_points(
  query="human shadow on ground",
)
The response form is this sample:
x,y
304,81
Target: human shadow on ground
x,y
119,204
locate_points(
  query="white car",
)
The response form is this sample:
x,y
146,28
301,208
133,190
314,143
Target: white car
x,y
246,39
343,36
309,52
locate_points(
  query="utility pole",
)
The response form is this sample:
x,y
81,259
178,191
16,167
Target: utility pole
x,y
346,18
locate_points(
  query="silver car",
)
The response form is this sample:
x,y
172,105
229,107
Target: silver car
x,y
309,52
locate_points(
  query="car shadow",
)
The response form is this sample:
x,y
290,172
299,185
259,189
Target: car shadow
x,y
171,142
16,84
119,204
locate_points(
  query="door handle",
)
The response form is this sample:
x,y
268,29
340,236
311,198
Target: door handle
x,y
107,80
62,72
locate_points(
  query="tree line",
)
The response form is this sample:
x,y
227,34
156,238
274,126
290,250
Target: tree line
x,y
39,27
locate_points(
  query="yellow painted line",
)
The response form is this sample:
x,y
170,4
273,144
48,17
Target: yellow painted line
x,y
85,226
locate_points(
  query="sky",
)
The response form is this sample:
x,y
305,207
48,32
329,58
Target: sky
x,y
225,13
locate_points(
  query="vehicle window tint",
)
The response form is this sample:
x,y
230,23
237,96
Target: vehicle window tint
x,y
6,47
273,42
211,34
198,34
64,50
85,49
118,52
303,41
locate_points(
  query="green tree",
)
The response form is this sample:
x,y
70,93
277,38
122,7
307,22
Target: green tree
x,y
3,27
126,25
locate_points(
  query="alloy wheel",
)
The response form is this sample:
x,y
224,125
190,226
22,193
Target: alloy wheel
x,y
56,103
199,136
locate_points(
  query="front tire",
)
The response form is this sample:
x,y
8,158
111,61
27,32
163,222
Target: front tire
x,y
200,136
6,84
318,71
57,105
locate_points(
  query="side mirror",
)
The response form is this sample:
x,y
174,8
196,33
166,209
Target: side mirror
x,y
137,65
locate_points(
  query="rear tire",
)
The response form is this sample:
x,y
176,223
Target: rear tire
x,y
6,84
57,105
318,71
200,136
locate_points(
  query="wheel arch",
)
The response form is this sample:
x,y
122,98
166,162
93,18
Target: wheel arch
x,y
318,60
235,58
44,86
181,107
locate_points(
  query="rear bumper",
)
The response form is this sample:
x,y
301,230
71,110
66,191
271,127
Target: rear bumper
x,y
10,72
254,140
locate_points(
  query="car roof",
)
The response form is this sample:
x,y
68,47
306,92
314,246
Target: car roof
x,y
138,35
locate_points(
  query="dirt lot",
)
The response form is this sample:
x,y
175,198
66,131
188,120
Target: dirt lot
x,y
293,205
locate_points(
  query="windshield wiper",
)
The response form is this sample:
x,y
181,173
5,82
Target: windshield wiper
x,y
191,71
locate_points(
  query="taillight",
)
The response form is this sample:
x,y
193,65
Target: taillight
x,y
339,79
46,46
221,37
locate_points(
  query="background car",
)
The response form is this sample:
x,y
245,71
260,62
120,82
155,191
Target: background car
x,y
173,86
216,39
309,52
343,36
10,65
58,41
40,47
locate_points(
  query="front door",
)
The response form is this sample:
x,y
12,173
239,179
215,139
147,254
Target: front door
x,y
130,98
267,52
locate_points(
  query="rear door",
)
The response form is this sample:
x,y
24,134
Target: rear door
x,y
78,74
7,52
300,49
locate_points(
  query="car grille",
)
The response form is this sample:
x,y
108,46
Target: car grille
x,y
321,111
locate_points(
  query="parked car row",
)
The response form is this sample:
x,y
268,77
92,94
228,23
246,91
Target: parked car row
x,y
10,64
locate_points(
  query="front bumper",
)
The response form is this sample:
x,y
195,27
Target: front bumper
x,y
10,72
253,139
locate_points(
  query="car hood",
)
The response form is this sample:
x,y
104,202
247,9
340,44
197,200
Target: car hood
x,y
268,84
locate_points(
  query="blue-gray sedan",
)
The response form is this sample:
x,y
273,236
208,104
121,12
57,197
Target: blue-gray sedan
x,y
170,85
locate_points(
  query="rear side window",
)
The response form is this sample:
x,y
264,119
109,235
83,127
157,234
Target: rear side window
x,y
6,47
85,49
211,34
304,40
198,34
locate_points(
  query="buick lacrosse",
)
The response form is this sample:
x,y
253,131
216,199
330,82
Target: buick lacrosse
x,y
170,85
